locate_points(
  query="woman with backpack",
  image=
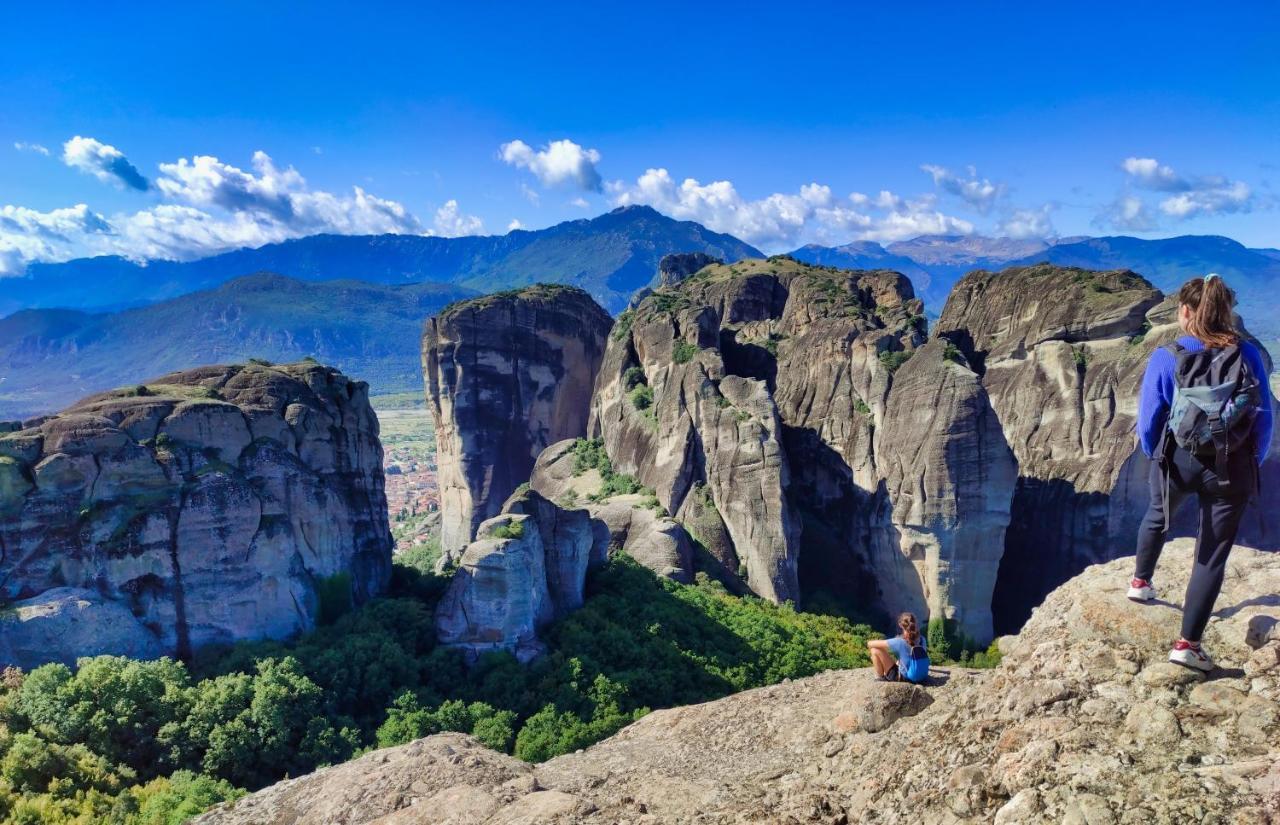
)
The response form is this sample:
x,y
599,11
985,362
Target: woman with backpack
x,y
1205,420
908,646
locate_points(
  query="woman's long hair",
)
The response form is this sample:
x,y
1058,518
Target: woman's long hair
x,y
1212,318
910,628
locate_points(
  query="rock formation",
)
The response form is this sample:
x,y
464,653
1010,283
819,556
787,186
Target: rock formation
x,y
528,565
206,506
1061,353
506,375
757,400
1083,722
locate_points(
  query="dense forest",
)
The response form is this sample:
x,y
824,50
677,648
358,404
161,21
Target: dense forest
x,y
122,741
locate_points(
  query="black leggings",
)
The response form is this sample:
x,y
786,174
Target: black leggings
x,y
1220,513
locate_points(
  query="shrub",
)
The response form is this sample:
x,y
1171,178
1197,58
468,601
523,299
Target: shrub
x,y
891,359
510,530
634,376
683,352
641,397
622,326
861,407
952,353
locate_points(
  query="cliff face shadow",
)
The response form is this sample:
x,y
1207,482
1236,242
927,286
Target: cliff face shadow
x,y
836,516
1054,533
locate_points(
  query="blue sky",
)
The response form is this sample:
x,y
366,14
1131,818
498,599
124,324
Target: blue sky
x,y
204,126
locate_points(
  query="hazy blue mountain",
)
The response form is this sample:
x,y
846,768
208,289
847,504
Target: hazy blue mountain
x,y
610,256
1168,262
935,262
51,357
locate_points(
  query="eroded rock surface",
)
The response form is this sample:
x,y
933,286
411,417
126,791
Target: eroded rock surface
x,y
1083,722
506,375
206,506
1061,353
529,565
759,401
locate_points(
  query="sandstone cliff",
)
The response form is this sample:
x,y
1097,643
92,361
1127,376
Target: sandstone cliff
x,y
1061,353
205,506
758,400
1083,722
506,375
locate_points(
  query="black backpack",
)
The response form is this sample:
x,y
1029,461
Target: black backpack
x,y
1216,399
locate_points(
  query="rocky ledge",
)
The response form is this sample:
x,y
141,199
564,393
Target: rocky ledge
x,y
205,506
1084,722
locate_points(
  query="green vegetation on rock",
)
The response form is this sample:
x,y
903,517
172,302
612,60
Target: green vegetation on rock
x,y
154,742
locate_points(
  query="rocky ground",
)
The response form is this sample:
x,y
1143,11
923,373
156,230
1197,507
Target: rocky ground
x,y
1084,723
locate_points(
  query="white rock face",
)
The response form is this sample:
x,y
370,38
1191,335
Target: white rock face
x,y
206,506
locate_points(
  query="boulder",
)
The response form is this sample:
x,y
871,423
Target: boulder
x,y
206,506
506,376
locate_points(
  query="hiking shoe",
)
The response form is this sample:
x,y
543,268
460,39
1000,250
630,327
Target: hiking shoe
x,y
1190,655
1140,590
891,676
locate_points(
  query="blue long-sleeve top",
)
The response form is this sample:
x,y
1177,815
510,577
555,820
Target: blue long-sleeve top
x,y
1157,396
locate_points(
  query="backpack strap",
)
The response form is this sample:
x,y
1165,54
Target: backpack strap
x,y
1218,430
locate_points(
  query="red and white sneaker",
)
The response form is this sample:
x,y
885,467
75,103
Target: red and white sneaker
x,y
1190,655
1141,590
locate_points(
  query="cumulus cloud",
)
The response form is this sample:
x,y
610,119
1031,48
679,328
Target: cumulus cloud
x,y
451,222
979,193
28,234
1028,223
106,163
559,163
514,225
1152,174
1128,213
1188,196
210,206
782,220
23,146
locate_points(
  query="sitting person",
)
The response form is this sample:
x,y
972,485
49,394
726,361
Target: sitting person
x,y
912,664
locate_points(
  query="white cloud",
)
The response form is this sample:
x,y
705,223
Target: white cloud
x,y
212,207
559,163
1213,199
979,193
783,220
280,198
1150,173
22,146
451,222
514,225
580,203
1029,223
27,235
106,163
1188,196
530,194
1128,213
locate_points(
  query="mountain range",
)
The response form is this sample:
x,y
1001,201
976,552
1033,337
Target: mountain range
x,y
49,358
935,262
358,302
610,256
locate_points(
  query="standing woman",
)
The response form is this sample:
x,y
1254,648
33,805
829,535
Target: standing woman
x,y
1205,420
